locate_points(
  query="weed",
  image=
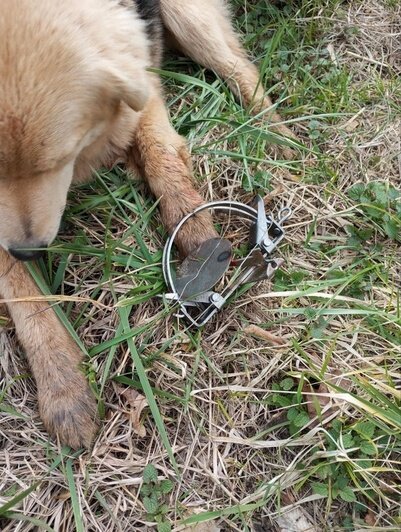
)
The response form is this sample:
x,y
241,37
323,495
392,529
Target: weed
x,y
381,202
153,492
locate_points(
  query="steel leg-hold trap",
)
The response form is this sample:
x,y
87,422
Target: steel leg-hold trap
x,y
192,284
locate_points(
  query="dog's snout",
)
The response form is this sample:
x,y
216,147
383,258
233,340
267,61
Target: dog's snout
x,y
27,251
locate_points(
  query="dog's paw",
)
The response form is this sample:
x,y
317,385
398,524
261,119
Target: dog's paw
x,y
68,409
195,232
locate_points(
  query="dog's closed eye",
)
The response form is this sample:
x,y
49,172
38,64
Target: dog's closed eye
x,y
55,162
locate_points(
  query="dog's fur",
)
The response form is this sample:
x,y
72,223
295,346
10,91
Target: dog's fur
x,y
75,95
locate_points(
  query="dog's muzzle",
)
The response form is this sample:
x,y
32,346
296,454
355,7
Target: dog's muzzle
x,y
27,252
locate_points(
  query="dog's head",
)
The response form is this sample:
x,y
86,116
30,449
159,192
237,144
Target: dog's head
x,y
62,86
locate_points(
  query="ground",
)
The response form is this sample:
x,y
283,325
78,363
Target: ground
x,y
300,434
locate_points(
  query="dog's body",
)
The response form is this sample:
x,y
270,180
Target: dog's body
x,y
76,95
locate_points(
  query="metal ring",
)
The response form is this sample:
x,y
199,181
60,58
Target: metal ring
x,y
224,206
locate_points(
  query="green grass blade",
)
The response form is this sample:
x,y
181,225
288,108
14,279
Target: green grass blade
x,y
35,521
76,508
147,389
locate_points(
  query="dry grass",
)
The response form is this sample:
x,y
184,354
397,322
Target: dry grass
x,y
335,305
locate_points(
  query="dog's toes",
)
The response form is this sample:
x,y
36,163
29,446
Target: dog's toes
x,y
69,412
195,232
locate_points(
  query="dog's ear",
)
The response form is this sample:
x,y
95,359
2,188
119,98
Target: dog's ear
x,y
134,90
135,93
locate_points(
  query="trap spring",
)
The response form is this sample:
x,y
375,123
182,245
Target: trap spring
x,y
191,286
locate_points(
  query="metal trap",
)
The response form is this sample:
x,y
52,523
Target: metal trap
x,y
210,276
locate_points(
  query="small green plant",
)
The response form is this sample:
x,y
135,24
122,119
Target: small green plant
x,y
316,129
286,396
337,477
290,279
341,467
153,492
381,203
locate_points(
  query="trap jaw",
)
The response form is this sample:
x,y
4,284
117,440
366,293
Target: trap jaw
x,y
192,288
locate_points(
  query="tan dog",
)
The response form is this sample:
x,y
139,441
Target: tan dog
x,y
75,95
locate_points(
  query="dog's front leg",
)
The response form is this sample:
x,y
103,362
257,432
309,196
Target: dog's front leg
x,y
160,155
66,404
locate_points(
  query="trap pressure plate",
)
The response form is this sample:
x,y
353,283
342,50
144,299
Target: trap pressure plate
x,y
191,285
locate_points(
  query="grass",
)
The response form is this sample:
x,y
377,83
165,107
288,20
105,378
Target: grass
x,y
251,435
